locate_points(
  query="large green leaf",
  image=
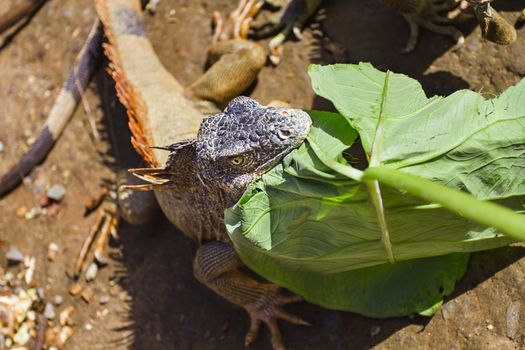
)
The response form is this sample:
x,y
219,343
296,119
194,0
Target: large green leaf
x,y
319,227
463,140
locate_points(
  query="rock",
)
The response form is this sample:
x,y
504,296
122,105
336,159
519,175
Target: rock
x,y
88,326
87,294
375,330
31,315
56,192
30,263
52,251
65,333
49,311
2,147
513,319
103,313
104,299
40,293
57,300
65,315
14,255
91,272
75,289
22,336
32,213
21,212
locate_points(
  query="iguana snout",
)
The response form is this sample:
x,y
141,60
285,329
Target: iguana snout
x,y
238,145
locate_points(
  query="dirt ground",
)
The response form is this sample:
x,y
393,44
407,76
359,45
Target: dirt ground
x,y
154,301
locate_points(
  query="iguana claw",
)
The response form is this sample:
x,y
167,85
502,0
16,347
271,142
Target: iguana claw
x,y
269,310
238,23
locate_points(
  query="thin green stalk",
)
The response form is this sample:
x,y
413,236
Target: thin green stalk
x,y
346,170
484,212
377,200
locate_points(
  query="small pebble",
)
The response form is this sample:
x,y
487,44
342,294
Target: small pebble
x,y
22,336
490,327
49,311
75,289
32,213
65,315
375,330
31,315
39,185
513,319
65,333
57,300
104,299
91,272
87,294
30,140
40,293
56,192
14,255
88,326
152,6
1,147
52,251
21,212
30,263
103,313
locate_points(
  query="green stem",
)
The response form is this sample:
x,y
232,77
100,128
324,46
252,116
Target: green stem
x,y
484,212
342,169
377,200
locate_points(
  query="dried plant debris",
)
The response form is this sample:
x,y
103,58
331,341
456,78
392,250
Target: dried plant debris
x,y
27,320
18,309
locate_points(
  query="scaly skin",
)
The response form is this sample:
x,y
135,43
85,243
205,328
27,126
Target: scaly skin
x,y
207,170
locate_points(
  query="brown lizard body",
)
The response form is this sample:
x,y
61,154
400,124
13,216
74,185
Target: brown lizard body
x,y
209,164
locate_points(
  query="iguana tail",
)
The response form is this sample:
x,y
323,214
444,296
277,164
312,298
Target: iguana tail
x,y
86,64
16,13
159,113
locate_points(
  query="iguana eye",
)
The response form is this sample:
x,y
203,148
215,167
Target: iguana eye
x,y
238,160
284,134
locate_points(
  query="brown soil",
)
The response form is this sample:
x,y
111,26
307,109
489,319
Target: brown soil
x,y
155,303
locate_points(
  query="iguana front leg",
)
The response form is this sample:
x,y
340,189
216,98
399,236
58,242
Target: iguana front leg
x,y
216,265
236,63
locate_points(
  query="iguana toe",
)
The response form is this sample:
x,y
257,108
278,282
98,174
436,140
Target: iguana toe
x,y
268,310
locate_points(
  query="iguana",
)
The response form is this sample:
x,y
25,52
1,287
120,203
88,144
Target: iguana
x,y
212,160
429,14
208,161
212,175
291,19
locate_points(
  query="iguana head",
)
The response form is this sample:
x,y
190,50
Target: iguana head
x,y
238,145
